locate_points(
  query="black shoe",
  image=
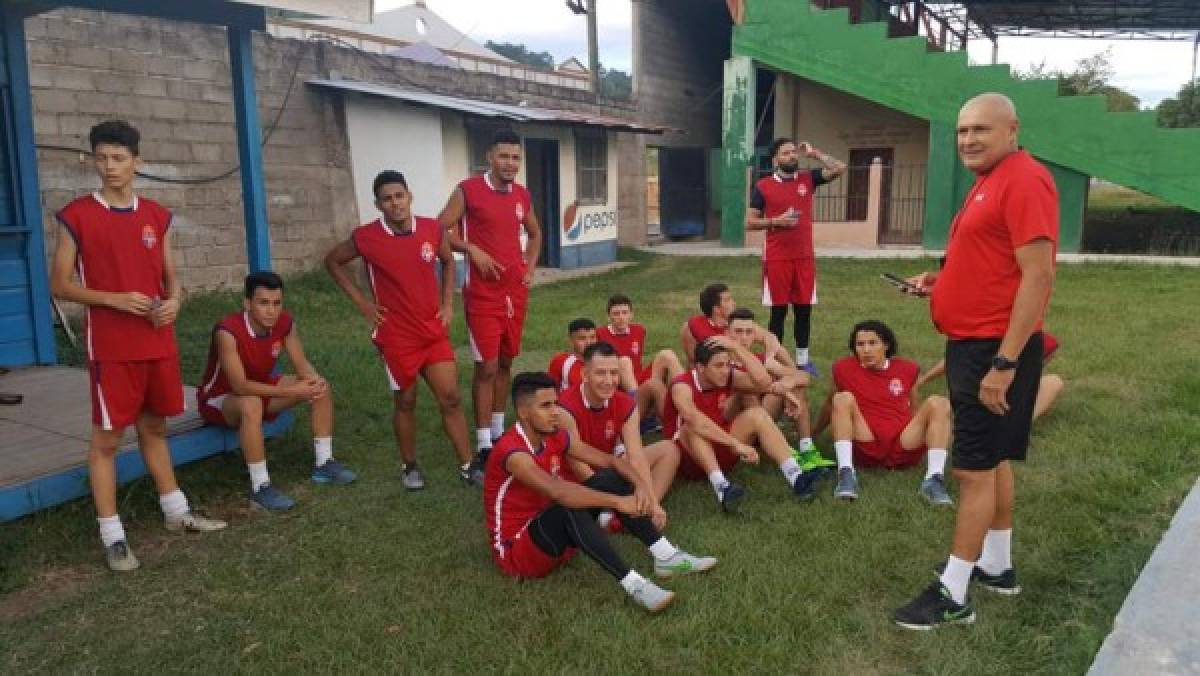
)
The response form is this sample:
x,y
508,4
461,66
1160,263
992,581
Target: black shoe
x,y
933,608
805,485
1005,583
731,495
471,474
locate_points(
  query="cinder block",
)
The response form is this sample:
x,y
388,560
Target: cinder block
x,y
55,101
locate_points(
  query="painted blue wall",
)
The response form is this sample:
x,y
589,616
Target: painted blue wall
x,y
587,255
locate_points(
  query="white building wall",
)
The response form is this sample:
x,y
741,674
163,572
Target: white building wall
x,y
390,135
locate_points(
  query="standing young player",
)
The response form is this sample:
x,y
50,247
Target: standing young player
x,y
119,244
241,387
484,218
409,311
782,204
537,520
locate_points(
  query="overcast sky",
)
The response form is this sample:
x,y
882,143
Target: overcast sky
x,y
1151,70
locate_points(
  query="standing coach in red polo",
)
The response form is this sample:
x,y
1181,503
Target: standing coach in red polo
x,y
989,301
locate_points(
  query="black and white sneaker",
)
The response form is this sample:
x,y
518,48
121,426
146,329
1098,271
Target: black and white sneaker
x,y
1004,583
471,474
847,484
731,496
933,608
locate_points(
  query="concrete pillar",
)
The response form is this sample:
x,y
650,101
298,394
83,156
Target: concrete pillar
x,y
737,124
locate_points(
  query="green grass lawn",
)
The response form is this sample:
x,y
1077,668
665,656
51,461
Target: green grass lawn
x,y
370,578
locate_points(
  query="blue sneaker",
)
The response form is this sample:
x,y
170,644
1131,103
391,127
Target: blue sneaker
x,y
805,486
811,369
333,472
269,498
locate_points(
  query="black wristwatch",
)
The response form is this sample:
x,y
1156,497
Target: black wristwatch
x,y
1002,363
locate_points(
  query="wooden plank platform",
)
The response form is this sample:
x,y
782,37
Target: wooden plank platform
x,y
44,439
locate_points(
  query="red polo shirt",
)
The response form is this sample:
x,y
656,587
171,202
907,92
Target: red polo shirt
x,y
1008,207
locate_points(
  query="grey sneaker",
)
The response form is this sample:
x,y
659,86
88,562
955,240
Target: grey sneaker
x,y
120,558
471,475
651,596
271,499
847,484
412,477
934,490
683,563
193,522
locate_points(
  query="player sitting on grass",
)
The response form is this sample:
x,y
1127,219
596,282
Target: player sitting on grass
x,y
537,519
714,431
242,388
629,339
878,418
566,368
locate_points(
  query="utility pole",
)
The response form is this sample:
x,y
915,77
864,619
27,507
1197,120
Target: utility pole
x,y
588,7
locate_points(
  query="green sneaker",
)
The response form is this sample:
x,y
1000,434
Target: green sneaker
x,y
811,459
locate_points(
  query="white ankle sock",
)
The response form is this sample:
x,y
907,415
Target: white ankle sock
x,y
322,450
956,577
997,552
111,530
662,549
718,481
935,462
791,470
258,475
801,356
806,444
483,438
604,518
497,425
845,453
173,504
632,582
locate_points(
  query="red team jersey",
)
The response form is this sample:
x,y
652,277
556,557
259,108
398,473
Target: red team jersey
x,y
883,396
259,354
702,328
566,368
631,343
1010,206
772,196
402,269
492,220
710,402
600,427
121,250
509,505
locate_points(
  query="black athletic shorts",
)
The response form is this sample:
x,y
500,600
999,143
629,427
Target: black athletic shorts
x,y
983,439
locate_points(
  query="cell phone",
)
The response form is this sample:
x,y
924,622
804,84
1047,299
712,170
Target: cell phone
x,y
903,285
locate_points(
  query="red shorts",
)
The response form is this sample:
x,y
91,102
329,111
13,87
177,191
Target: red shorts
x,y
493,336
886,451
523,558
123,390
791,282
404,363
688,469
212,412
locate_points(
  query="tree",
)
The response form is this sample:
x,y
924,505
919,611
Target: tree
x,y
615,84
522,54
1183,110
1090,76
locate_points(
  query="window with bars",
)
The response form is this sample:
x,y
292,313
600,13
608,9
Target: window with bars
x,y
591,163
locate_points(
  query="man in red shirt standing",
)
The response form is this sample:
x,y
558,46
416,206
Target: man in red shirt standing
x,y
878,417
989,301
782,204
484,218
119,244
241,387
537,518
566,368
409,311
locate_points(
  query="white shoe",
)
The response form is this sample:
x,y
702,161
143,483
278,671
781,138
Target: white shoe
x,y
683,563
651,596
191,521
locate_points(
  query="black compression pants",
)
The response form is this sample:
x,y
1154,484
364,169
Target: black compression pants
x,y
801,327
558,527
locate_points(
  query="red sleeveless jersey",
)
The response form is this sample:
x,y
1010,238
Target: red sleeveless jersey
x,y
631,343
492,220
710,402
121,250
509,504
402,270
566,368
774,195
600,427
883,396
702,328
259,354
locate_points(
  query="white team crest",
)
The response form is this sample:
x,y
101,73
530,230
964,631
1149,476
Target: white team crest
x,y
276,348
634,347
610,430
802,190
979,197
427,252
896,387
520,212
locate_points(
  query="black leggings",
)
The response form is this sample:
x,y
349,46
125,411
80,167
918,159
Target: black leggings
x,y
558,527
802,326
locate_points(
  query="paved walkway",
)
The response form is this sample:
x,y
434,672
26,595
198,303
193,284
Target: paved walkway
x,y
714,248
551,275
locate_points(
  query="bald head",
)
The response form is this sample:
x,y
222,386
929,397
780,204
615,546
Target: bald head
x,y
987,131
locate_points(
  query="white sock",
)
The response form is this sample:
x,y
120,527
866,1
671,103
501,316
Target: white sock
x,y
718,481
483,438
604,518
956,577
258,475
497,425
662,549
997,552
173,503
806,444
791,470
322,450
111,530
845,453
935,462
801,356
632,582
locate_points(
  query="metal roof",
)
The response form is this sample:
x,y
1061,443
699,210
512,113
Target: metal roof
x,y
487,108
1159,19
